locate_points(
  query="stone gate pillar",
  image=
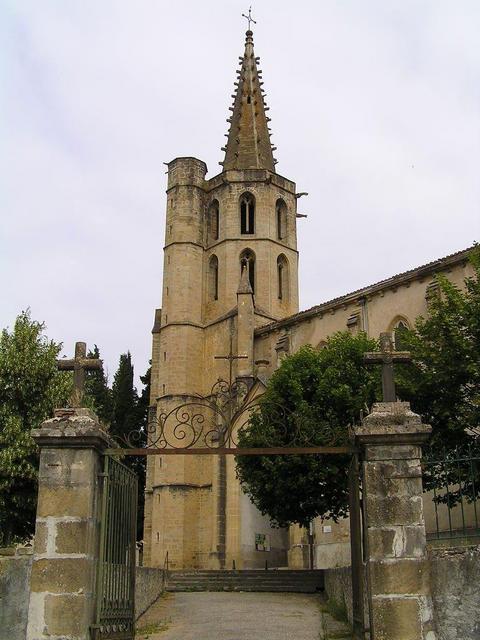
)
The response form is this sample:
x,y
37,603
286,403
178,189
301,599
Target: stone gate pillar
x,y
62,587
390,438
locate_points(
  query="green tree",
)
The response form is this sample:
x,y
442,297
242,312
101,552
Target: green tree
x,y
130,414
309,401
443,381
97,392
125,400
30,389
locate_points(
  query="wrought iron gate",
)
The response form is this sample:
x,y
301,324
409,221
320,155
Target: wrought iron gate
x,y
115,605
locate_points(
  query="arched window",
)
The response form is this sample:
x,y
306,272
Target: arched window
x,y
282,277
247,214
281,213
213,222
213,278
398,327
247,260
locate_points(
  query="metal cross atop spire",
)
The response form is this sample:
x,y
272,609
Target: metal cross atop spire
x,y
249,17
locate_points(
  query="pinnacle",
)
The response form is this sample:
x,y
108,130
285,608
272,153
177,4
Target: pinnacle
x,y
244,285
248,145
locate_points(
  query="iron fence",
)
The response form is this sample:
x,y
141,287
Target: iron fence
x,y
452,492
115,615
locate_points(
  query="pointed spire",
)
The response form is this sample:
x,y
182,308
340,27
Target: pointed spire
x,y
244,285
248,145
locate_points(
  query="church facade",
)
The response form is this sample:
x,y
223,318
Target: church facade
x,y
230,285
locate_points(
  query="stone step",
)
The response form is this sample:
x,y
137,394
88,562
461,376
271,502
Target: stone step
x,y
296,581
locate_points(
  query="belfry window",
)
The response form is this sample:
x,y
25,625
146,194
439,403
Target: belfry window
x,y
213,221
247,214
247,261
282,277
213,278
281,213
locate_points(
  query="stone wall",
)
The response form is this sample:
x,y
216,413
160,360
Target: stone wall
x,y
149,585
14,591
455,592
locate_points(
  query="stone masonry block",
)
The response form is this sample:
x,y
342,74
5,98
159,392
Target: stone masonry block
x,y
406,576
394,510
67,615
41,535
67,466
72,537
397,618
375,471
396,542
61,575
392,452
404,487
64,501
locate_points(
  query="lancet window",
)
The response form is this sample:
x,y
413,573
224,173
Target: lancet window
x,y
247,214
282,277
281,213
213,277
213,221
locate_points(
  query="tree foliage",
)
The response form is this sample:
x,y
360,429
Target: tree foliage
x,y
130,413
98,394
320,394
443,382
30,388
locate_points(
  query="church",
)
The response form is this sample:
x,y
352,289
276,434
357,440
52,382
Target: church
x,y
230,285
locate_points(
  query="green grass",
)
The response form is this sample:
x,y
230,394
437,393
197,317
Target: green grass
x,y
150,629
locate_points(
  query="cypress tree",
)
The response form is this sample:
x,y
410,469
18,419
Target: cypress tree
x,y
98,391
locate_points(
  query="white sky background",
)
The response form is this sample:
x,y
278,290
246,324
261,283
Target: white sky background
x,y
375,112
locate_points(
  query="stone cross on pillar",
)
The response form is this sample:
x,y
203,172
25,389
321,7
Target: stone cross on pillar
x,y
390,440
386,357
79,365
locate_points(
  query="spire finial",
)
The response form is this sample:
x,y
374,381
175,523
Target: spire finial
x,y
249,17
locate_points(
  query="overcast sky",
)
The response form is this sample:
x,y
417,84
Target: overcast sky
x,y
375,112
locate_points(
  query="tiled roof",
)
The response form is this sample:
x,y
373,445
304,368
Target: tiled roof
x,y
400,278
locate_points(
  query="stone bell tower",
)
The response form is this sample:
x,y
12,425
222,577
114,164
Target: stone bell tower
x,y
230,266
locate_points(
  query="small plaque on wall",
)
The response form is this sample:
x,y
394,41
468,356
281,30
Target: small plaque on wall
x,y
262,542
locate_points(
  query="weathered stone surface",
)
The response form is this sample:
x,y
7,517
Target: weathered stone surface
x,y
14,581
67,615
65,501
456,592
61,575
397,542
41,533
397,619
405,576
394,510
72,537
67,466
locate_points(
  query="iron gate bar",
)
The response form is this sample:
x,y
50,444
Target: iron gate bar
x,y
258,451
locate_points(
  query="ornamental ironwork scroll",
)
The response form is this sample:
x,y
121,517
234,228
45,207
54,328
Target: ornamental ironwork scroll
x,y
205,424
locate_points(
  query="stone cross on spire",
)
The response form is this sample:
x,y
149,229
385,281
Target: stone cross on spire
x,y
249,17
386,357
79,365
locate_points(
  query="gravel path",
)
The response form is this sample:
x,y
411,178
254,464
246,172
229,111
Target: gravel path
x,y
235,616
